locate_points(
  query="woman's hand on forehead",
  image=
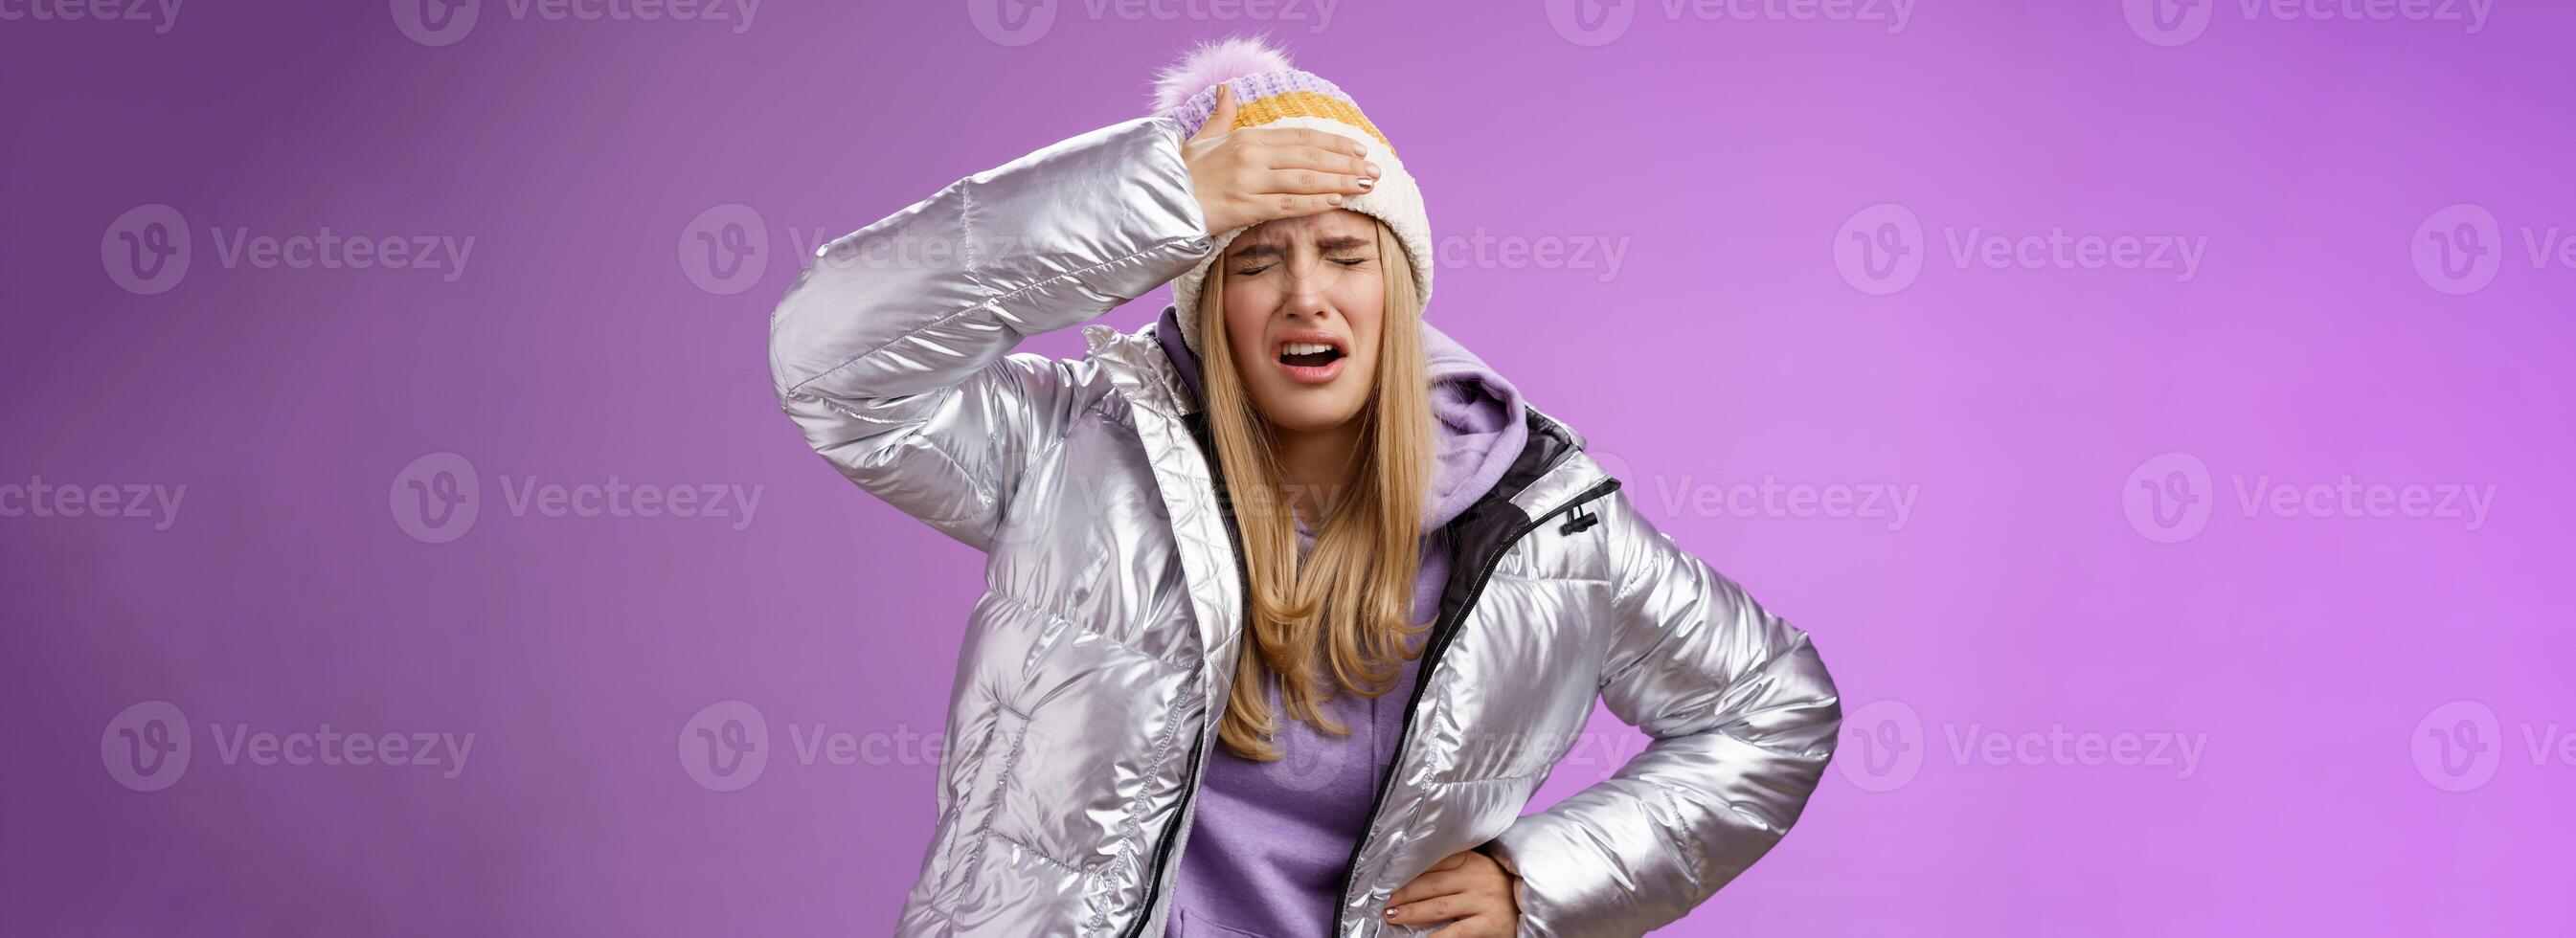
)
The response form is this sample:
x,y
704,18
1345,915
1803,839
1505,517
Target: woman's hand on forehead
x,y
1258,174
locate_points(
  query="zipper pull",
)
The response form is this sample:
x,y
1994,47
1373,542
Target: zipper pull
x,y
1578,522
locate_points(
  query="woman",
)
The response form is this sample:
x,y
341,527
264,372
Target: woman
x,y
1291,602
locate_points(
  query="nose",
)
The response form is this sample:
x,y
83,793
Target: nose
x,y
1307,296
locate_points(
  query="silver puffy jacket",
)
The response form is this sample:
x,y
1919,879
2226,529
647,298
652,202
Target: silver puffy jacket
x,y
1113,601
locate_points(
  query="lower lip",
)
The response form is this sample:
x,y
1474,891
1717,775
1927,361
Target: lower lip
x,y
1313,374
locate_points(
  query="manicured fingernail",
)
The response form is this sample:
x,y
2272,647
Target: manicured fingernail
x,y
1372,170
1333,199
1367,183
1390,911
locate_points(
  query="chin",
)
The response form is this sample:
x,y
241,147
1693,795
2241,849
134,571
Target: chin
x,y
1310,416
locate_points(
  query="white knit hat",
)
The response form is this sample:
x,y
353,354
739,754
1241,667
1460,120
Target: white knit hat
x,y
1268,92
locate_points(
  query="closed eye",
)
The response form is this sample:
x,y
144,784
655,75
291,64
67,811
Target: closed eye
x,y
1255,268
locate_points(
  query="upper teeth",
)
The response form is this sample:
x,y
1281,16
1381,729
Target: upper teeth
x,y
1305,348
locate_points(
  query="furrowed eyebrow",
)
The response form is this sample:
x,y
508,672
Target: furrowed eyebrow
x,y
1272,251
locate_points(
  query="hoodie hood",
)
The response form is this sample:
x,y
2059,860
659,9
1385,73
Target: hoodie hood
x,y
1478,416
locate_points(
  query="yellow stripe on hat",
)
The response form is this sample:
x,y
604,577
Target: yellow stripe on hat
x,y
1304,104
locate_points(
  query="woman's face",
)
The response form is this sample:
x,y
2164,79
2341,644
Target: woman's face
x,y
1305,302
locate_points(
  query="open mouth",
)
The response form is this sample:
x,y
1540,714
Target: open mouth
x,y
1308,354
1311,356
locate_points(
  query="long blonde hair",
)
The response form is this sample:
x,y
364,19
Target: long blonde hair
x,y
1346,609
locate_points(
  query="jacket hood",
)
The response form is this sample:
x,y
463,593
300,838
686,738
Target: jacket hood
x,y
1480,418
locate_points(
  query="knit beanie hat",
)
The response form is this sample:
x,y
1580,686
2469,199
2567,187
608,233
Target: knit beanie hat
x,y
1268,92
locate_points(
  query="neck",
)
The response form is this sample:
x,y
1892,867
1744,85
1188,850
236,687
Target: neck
x,y
1316,466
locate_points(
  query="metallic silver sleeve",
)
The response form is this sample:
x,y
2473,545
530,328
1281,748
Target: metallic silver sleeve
x,y
1743,718
892,350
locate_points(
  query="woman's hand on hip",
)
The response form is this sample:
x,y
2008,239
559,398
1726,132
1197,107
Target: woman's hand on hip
x,y
1249,176
1466,889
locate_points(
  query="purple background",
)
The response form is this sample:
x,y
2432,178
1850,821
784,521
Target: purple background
x,y
2307,655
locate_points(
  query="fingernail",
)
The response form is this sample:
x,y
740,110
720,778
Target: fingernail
x,y
1390,911
1333,199
1373,171
1367,183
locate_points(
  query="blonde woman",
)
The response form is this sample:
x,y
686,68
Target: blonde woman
x,y
1291,601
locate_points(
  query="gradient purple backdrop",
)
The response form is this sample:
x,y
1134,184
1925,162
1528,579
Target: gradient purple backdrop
x,y
2363,708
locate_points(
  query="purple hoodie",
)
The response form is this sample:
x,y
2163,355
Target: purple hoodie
x,y
1271,840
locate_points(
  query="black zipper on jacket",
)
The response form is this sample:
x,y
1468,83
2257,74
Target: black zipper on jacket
x,y
1431,652
1171,836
